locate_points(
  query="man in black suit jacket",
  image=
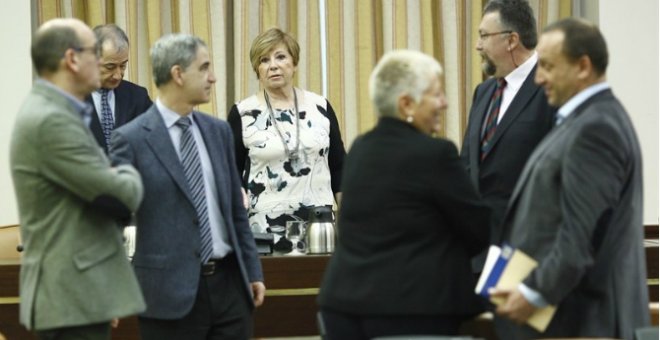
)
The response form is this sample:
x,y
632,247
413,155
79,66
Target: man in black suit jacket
x,y
507,38
125,100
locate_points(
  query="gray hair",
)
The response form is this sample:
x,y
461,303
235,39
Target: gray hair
x,y
398,73
113,33
170,50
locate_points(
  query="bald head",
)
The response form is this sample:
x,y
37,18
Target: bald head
x,y
54,38
65,52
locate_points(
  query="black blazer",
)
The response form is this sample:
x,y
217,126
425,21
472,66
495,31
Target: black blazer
x,y
408,224
131,100
527,120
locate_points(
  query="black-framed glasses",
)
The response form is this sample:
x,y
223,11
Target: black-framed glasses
x,y
96,50
483,36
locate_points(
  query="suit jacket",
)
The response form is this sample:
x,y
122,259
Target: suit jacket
x,y
167,254
409,222
577,209
74,269
527,120
131,100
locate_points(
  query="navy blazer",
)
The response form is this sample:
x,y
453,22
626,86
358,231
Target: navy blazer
x,y
167,254
527,120
131,100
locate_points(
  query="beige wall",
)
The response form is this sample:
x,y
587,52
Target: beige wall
x,y
15,83
631,30
633,73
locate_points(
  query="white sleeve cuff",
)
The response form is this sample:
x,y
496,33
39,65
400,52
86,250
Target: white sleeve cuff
x,y
532,296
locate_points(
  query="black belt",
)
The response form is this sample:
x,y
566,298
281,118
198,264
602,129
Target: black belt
x,y
212,266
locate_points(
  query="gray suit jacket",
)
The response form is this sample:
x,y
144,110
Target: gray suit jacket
x,y
577,209
166,258
74,270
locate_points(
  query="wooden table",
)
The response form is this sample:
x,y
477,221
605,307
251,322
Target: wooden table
x,y
289,309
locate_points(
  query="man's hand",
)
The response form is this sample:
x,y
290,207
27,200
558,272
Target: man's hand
x,y
258,291
114,323
515,306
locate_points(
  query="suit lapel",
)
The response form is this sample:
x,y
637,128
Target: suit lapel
x,y
517,106
95,124
214,146
479,112
549,141
158,139
121,105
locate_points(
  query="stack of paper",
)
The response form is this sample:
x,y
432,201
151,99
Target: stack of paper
x,y
504,269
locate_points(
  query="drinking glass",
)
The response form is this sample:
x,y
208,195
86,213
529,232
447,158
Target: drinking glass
x,y
295,232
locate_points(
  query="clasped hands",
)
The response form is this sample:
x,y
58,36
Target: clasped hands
x,y
515,307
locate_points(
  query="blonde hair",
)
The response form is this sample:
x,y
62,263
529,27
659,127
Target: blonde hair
x,y
267,41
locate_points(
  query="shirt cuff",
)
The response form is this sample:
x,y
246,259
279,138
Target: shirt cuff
x,y
532,296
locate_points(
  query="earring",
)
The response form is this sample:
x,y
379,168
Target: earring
x,y
409,119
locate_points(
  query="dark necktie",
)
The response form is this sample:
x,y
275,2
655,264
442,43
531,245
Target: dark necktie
x,y
491,119
192,168
107,122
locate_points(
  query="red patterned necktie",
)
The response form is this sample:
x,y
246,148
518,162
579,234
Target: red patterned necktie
x,y
491,119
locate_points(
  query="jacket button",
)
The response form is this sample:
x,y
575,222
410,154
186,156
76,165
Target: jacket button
x,y
198,254
195,221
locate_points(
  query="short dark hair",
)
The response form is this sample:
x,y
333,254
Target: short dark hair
x,y
49,46
517,16
113,33
582,38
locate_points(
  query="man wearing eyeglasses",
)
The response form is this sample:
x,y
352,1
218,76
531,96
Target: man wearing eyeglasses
x,y
75,277
509,114
118,101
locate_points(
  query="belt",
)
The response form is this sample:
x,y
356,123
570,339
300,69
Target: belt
x,y
212,266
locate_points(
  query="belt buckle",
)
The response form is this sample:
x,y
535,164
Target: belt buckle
x,y
209,268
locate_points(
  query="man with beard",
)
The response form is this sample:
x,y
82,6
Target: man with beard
x,y
509,114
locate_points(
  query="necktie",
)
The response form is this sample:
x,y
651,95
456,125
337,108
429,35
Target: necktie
x,y
491,119
192,168
107,122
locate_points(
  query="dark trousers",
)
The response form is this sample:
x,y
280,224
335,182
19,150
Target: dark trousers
x,y
344,326
220,311
99,331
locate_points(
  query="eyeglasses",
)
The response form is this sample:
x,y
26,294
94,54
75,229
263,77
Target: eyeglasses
x,y
483,36
96,50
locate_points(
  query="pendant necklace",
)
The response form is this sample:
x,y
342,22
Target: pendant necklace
x,y
292,154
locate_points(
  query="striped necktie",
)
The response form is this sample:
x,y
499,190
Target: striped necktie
x,y
192,168
107,122
491,119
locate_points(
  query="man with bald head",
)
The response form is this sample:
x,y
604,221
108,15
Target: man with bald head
x,y
117,101
75,277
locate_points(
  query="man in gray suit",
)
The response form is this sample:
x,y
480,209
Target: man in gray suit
x,y
577,208
75,277
195,256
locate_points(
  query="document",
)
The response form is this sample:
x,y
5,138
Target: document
x,y
505,268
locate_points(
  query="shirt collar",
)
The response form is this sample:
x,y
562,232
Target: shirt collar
x,y
582,96
170,117
84,108
516,78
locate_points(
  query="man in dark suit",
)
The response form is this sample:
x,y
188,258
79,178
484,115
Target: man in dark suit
x,y
195,256
118,101
75,277
505,124
577,207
